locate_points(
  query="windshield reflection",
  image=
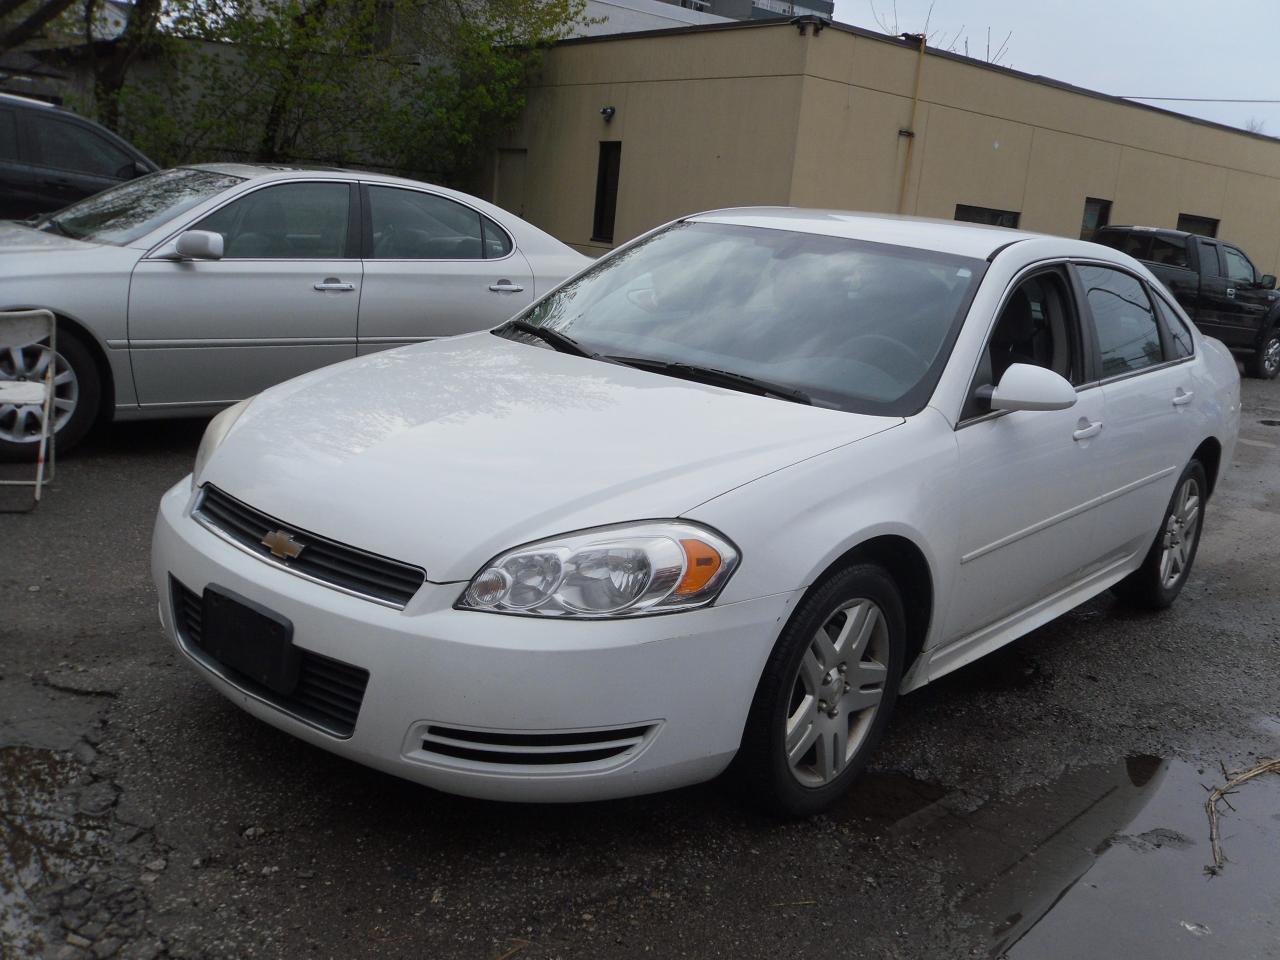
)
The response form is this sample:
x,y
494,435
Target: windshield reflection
x,y
124,213
851,324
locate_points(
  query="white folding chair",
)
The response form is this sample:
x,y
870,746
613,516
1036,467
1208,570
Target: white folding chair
x,y
23,330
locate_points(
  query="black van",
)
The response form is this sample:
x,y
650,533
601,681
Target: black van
x,y
49,158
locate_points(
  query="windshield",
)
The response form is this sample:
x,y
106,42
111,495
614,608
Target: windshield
x,y
854,325
124,213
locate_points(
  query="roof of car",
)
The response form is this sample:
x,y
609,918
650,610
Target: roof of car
x,y
944,236
284,171
27,101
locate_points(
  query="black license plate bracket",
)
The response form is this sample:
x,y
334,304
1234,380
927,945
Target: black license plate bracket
x,y
250,639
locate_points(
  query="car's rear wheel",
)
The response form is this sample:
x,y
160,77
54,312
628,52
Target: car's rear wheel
x,y
1265,364
1157,583
77,396
826,693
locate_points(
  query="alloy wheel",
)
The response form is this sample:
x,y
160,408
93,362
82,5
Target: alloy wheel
x,y
836,692
1271,357
1179,539
20,423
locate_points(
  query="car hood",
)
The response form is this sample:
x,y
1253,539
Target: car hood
x,y
444,454
18,238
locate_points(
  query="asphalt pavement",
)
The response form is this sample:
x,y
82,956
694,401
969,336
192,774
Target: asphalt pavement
x,y
1048,801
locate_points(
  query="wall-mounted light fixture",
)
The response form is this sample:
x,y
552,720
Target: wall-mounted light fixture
x,y
607,113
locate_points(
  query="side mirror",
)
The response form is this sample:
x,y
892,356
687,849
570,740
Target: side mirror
x,y
199,245
1027,387
1268,281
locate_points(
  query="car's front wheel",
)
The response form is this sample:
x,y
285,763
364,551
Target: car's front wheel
x,y
1265,364
1157,583
826,693
77,395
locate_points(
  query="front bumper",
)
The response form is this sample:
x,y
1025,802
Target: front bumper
x,y
678,686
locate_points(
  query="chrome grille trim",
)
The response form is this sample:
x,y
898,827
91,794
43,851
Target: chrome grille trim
x,y
349,570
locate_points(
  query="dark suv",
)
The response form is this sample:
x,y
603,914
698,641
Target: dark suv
x,y
1217,284
49,158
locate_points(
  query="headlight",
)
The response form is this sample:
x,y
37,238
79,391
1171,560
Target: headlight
x,y
214,434
622,571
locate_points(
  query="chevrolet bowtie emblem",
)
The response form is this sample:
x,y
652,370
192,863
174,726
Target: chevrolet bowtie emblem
x,y
282,545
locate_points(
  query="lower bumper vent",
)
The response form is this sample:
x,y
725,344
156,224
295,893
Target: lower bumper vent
x,y
493,748
328,694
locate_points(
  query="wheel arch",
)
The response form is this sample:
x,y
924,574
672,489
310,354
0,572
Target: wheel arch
x,y
1209,453
908,567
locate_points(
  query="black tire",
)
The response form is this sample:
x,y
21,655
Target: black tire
x,y
1148,587
761,766
1265,362
75,354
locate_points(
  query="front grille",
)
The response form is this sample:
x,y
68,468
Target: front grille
x,y
347,568
328,694
489,747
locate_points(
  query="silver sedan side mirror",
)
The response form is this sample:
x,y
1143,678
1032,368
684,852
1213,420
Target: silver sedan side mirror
x,y
1028,387
199,245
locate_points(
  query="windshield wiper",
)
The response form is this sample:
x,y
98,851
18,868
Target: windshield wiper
x,y
554,338
718,378
51,222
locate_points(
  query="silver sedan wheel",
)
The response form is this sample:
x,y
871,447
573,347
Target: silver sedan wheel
x,y
20,423
836,692
1180,531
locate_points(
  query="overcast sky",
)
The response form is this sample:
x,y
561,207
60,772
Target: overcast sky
x,y
1153,48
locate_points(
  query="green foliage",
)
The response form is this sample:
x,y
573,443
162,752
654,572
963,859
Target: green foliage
x,y
416,86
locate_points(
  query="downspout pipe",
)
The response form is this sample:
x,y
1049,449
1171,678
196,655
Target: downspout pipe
x,y
910,131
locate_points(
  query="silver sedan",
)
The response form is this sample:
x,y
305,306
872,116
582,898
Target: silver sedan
x,y
195,287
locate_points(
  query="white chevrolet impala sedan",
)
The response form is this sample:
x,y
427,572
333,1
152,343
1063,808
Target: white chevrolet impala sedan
x,y
716,501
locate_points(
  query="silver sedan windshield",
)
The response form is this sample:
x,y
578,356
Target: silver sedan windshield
x,y
124,213
852,324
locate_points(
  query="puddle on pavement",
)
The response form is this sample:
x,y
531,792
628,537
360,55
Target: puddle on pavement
x,y
43,838
1107,861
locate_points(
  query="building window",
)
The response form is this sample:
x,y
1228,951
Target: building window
x,y
1205,226
1097,214
607,190
996,218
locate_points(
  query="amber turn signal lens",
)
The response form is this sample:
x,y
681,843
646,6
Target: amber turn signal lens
x,y
702,563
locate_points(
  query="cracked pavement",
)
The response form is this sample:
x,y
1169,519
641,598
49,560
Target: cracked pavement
x,y
1029,805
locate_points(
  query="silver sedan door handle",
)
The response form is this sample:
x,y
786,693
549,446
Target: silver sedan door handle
x,y
333,283
505,286
1087,428
1181,397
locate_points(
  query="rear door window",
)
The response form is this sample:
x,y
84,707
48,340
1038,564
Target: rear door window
x,y
1125,326
1180,342
1170,251
412,225
1209,260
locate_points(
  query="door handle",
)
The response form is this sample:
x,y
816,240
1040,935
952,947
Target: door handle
x,y
1182,397
333,283
1231,293
505,286
1086,428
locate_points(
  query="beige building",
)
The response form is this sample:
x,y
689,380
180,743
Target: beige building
x,y
622,133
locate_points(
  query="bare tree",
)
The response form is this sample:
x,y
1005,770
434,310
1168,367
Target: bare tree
x,y
1255,125
955,42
